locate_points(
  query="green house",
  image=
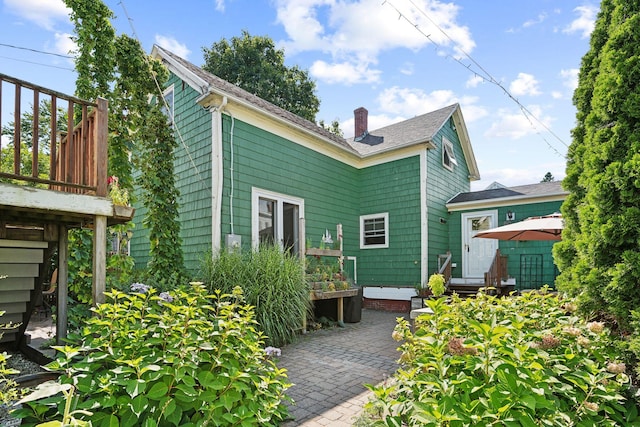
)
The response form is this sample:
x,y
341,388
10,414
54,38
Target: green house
x,y
529,263
250,172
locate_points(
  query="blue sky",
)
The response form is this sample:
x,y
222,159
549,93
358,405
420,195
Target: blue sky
x,y
397,58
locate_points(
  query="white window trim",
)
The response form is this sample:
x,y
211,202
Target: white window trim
x,y
170,89
447,148
385,216
256,194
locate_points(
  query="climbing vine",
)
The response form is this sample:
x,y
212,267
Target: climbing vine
x,y
116,68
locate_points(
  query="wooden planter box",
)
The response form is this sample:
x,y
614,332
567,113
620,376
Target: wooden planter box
x,y
324,252
123,212
320,295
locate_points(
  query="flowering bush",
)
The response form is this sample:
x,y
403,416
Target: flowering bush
x,y
119,196
191,359
525,361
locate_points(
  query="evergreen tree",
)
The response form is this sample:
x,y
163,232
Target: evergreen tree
x,y
548,177
599,256
254,64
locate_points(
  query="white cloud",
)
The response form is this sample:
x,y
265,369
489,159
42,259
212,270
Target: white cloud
x,y
173,45
516,125
64,45
42,12
219,5
585,21
408,103
345,72
539,20
525,84
407,69
570,78
557,95
474,81
348,37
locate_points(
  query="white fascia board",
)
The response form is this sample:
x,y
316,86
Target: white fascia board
x,y
506,201
176,68
247,112
54,201
465,142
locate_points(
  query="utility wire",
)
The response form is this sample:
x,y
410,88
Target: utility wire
x,y
161,95
36,51
479,71
38,63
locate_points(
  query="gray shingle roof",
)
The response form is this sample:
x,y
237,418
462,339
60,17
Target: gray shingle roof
x,y
416,130
540,189
216,83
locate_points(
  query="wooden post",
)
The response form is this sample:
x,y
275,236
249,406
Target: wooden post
x,y
99,284
101,132
63,288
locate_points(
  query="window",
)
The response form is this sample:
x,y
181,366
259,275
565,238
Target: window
x,y
374,231
448,156
167,107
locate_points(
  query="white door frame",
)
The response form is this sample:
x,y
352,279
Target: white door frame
x,y
467,247
256,194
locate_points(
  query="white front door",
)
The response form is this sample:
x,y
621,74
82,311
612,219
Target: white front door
x,y
477,254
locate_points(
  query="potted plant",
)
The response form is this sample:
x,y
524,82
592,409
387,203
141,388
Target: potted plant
x,y
422,292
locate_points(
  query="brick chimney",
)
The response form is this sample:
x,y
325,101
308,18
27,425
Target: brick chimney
x,y
361,121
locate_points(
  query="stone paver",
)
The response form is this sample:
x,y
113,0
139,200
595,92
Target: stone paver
x,y
330,367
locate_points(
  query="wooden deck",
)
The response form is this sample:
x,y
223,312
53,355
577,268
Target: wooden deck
x,y
53,177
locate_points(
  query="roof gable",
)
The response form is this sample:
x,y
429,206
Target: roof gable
x,y
415,131
204,82
418,130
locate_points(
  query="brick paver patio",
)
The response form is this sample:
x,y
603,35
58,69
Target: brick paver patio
x,y
329,367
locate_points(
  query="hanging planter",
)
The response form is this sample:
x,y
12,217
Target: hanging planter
x,y
123,212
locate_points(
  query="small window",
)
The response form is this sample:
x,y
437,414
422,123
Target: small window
x,y
167,107
448,156
374,231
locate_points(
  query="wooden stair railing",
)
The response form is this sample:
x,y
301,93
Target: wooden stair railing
x,y
497,273
444,267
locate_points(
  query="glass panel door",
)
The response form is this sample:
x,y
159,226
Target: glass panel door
x,y
290,234
277,221
266,221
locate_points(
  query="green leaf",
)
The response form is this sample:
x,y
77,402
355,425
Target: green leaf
x,y
529,402
139,405
157,391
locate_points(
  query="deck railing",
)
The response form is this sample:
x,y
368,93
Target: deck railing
x,y
77,159
444,266
497,272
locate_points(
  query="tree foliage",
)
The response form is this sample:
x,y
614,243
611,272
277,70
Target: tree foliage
x,y
599,257
548,177
116,68
26,140
254,64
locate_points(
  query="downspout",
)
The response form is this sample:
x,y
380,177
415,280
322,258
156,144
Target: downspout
x,y
424,220
217,175
233,123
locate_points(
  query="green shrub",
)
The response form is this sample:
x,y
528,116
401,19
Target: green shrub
x,y
273,282
525,361
8,388
183,358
